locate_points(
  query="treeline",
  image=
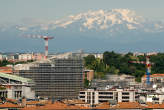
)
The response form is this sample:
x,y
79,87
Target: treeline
x,y
6,62
115,63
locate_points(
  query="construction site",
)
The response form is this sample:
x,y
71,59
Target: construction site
x,y
56,78
58,82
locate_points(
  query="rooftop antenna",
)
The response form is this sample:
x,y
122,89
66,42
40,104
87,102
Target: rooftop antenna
x,y
148,67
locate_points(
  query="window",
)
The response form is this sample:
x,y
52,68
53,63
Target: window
x,y
125,93
82,96
125,97
106,93
106,97
82,92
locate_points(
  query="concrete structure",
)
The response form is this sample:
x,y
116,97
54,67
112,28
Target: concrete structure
x,y
15,87
1,57
75,54
89,74
25,57
98,96
58,78
38,56
122,77
154,79
138,54
116,81
155,98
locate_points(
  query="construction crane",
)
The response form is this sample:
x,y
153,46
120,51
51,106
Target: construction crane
x,y
148,66
46,38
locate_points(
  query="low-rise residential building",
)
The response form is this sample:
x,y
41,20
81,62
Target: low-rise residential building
x,y
89,74
110,81
155,98
3,57
154,79
138,54
122,77
98,96
151,53
38,56
25,57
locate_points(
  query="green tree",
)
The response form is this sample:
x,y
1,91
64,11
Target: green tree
x,y
89,61
86,83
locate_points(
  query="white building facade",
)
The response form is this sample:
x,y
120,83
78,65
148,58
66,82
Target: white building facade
x,y
119,95
25,57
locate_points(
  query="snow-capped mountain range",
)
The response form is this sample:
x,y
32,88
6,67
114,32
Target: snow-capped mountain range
x,y
111,21
124,24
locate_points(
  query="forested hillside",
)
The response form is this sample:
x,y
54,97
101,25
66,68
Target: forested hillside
x,y
115,63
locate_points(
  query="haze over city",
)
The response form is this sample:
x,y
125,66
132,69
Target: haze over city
x,y
81,55
94,26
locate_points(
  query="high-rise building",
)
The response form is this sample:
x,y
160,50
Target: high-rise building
x,y
56,78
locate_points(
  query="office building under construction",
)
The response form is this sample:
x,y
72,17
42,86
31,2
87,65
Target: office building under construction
x,y
56,78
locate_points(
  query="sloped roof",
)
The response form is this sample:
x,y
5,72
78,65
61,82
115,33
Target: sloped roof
x,y
15,77
9,105
155,106
155,75
128,105
56,105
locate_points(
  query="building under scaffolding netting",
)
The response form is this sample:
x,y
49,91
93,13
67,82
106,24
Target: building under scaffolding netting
x,y
56,78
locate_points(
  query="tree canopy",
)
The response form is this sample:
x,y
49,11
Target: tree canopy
x,y
115,63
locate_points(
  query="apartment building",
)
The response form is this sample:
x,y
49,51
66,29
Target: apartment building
x,y
98,96
25,57
155,98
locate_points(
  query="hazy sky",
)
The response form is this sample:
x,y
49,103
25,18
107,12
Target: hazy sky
x,y
15,11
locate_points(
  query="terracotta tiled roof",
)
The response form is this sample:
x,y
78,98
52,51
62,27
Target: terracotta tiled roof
x,y
74,102
56,105
36,102
32,102
6,69
11,100
103,106
156,106
127,105
9,105
155,75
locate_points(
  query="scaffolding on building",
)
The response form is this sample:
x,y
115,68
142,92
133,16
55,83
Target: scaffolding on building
x,y
56,78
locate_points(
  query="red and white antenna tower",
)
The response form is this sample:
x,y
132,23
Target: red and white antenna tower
x,y
148,66
46,38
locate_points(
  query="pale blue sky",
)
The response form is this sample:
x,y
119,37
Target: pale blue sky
x,y
16,10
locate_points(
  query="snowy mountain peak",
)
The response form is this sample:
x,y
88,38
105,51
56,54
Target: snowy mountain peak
x,y
102,19
110,21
